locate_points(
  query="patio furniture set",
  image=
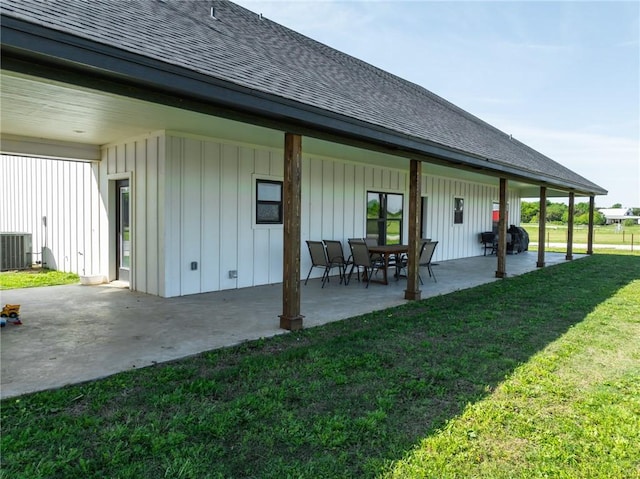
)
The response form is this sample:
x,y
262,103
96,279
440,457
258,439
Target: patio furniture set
x,y
517,240
367,258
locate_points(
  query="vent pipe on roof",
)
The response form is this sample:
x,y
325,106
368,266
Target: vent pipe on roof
x,y
213,13
261,17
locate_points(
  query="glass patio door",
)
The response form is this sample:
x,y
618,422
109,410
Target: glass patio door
x,y
123,231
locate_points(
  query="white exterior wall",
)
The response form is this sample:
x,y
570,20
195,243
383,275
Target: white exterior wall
x,y
461,240
209,217
334,199
210,200
66,193
141,160
193,201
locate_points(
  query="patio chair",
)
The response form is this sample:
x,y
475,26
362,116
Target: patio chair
x,y
404,258
362,259
370,241
424,259
319,259
374,242
426,255
335,254
353,240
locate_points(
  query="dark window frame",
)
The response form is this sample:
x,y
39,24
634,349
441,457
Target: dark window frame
x,y
458,210
383,220
262,202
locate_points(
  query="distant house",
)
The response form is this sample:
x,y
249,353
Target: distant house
x,y
618,215
207,131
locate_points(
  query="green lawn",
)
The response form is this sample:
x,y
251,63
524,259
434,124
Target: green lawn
x,y
602,234
528,377
35,277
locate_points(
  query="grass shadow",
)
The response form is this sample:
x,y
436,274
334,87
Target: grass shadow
x,y
341,400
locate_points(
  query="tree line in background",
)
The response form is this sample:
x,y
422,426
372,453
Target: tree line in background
x,y
559,213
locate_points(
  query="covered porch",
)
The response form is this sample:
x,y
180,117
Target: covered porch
x,y
76,333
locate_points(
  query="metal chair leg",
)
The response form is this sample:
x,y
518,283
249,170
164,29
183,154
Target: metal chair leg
x,y
325,276
305,281
431,273
357,268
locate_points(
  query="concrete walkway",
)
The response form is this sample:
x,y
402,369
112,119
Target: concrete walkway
x,y
76,333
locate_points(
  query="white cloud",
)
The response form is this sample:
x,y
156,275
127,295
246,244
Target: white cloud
x,y
609,161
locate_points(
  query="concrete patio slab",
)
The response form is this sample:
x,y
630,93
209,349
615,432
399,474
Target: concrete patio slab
x,y
76,333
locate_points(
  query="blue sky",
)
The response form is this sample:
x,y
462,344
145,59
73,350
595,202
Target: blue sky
x,y
562,77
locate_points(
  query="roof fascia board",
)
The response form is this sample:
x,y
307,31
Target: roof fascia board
x,y
30,48
44,148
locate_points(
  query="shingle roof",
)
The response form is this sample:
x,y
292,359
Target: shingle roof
x,y
244,49
608,212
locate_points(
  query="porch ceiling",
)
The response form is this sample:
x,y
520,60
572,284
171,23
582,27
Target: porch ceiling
x,y
41,108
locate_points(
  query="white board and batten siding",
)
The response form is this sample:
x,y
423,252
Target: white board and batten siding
x,y
207,190
208,197
142,161
334,200
57,202
209,200
192,204
192,201
461,240
334,197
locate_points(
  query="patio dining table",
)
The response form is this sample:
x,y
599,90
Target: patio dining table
x,y
387,251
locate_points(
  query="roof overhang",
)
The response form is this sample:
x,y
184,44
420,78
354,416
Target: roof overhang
x,y
42,52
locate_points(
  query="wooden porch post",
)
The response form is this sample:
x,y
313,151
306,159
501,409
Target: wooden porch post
x,y
415,181
291,318
501,272
592,200
569,255
542,225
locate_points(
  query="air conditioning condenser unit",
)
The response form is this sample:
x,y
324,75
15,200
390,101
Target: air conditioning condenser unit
x,y
15,251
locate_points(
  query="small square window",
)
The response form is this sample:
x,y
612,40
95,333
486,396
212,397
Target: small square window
x,y
458,210
268,202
